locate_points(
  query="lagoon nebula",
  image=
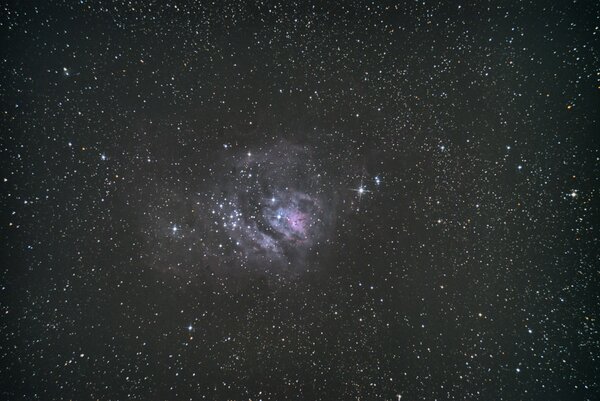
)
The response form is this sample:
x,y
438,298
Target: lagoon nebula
x,y
275,207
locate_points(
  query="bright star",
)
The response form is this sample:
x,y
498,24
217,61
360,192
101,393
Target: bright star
x,y
361,190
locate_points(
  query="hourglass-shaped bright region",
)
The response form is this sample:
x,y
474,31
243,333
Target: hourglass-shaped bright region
x,y
297,222
289,221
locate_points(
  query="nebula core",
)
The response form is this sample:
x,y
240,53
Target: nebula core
x,y
275,209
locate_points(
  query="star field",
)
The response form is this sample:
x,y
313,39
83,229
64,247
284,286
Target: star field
x,y
281,200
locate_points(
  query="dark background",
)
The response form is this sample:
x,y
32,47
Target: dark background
x,y
469,273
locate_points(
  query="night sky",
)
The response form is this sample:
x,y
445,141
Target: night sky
x,y
283,200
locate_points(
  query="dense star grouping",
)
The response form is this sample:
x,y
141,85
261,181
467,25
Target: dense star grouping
x,y
281,200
